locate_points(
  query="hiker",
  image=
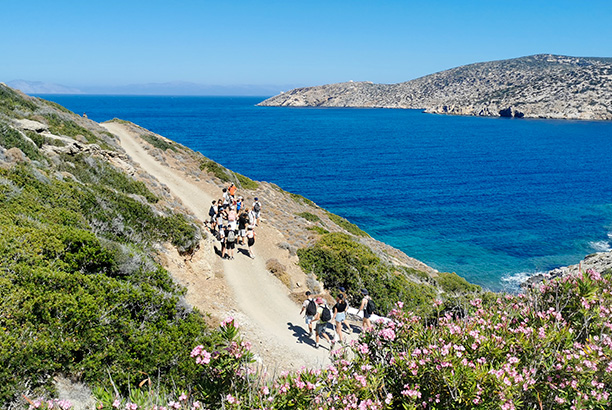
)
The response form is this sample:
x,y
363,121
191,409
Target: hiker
x,y
243,220
367,309
226,197
310,307
230,242
340,315
212,212
221,238
252,217
239,204
257,210
323,317
250,234
220,214
232,190
232,217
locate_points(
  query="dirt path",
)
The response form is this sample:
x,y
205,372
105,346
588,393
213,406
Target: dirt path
x,y
260,301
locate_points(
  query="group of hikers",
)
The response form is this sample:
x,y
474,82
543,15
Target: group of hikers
x,y
233,222
317,311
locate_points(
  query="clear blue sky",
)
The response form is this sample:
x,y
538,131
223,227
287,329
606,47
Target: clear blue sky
x,y
80,43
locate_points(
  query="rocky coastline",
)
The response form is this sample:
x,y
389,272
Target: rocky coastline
x,y
539,86
600,262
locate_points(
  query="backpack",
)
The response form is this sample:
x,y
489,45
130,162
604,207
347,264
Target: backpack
x,y
311,309
325,314
231,236
257,207
370,307
211,211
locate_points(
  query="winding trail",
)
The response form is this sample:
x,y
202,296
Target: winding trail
x,y
273,317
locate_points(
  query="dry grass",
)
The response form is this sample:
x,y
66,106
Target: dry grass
x,y
280,271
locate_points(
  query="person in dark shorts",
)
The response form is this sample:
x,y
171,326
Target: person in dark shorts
x,y
230,242
250,236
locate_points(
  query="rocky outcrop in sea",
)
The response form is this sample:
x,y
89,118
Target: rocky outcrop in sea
x,y
539,86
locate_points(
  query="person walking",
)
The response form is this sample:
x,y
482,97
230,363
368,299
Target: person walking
x,y
230,242
340,315
212,212
250,237
367,309
243,220
257,211
310,307
322,318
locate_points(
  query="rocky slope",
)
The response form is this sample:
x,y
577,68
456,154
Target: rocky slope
x,y
539,86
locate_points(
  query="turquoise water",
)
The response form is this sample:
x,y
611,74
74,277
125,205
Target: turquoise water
x,y
494,200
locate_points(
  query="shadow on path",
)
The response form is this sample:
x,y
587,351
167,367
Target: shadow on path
x,y
300,334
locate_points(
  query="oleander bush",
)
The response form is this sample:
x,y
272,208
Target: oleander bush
x,y
548,349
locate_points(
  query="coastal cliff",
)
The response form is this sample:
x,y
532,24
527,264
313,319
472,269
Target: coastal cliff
x,y
539,86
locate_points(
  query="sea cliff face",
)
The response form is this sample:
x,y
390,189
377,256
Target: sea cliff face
x,y
539,86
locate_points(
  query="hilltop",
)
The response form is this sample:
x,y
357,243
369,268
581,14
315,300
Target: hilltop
x,y
538,86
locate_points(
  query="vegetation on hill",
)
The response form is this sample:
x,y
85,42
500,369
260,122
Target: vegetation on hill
x,y
339,260
80,292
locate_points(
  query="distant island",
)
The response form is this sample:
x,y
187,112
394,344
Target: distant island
x,y
538,86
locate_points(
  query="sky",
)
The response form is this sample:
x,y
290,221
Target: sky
x,y
284,43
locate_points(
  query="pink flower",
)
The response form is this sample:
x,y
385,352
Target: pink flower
x,y
231,399
116,403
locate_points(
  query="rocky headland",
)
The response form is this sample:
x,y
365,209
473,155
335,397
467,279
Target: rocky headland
x,y
538,86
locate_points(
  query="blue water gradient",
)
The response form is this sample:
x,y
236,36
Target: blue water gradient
x,y
492,199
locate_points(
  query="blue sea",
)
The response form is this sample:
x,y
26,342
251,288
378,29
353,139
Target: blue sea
x,y
493,199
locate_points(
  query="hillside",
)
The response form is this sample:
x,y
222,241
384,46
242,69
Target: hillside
x,y
107,265
539,86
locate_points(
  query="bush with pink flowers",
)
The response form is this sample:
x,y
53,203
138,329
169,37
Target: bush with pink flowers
x,y
550,348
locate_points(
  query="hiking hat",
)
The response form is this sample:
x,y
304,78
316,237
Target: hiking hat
x,y
256,199
308,293
365,292
341,289
319,300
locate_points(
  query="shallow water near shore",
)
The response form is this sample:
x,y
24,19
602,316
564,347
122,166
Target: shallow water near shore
x,y
494,200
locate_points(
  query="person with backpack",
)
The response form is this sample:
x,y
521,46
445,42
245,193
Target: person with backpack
x,y
322,317
340,314
367,306
230,242
310,307
257,211
212,213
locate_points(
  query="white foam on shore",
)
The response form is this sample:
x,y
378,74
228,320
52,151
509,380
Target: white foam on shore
x,y
601,246
511,282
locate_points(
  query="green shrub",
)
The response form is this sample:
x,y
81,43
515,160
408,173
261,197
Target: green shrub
x,y
68,128
69,306
159,143
217,170
309,217
346,225
10,138
317,229
453,283
338,260
14,104
245,182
